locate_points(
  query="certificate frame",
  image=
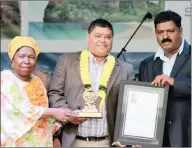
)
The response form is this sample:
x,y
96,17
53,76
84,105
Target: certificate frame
x,y
134,94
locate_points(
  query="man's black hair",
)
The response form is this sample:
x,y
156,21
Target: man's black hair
x,y
165,16
100,23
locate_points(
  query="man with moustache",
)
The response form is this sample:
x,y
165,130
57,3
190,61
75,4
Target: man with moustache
x,y
171,65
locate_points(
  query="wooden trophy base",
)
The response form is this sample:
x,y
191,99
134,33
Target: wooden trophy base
x,y
90,114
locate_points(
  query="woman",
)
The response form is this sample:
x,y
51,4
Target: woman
x,y
25,116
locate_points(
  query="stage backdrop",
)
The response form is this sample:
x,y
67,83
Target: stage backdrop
x,y
60,26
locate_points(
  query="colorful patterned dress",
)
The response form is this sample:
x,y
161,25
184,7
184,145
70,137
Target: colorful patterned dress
x,y
22,105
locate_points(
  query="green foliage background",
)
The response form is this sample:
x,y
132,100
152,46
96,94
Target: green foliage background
x,y
88,10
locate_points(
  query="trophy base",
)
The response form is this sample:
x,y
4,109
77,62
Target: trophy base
x,y
90,114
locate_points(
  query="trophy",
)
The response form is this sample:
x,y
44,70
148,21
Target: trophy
x,y
90,110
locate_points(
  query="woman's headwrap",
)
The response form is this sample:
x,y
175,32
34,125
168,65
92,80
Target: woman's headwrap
x,y
19,42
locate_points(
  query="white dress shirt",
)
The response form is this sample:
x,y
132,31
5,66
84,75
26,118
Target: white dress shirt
x,y
168,63
95,127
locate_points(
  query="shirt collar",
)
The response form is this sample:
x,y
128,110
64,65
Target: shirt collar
x,y
94,59
160,51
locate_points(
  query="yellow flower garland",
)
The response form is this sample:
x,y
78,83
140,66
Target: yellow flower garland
x,y
85,75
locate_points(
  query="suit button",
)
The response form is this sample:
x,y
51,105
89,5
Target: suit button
x,y
79,107
169,122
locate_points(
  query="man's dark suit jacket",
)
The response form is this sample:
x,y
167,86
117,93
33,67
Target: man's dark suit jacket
x,y
178,117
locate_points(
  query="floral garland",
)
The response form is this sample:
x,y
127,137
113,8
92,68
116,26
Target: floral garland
x,y
37,96
36,92
85,75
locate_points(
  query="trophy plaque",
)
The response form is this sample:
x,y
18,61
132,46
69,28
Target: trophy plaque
x,y
90,110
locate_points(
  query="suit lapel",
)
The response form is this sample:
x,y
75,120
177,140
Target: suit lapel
x,y
113,77
180,60
157,67
77,65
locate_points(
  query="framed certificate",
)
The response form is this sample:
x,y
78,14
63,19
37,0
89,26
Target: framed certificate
x,y
141,114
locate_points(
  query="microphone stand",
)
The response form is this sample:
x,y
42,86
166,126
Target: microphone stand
x,y
123,49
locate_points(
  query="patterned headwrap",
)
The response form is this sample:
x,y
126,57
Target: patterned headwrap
x,y
19,42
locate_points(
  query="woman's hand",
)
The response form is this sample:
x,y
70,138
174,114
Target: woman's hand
x,y
60,114
64,114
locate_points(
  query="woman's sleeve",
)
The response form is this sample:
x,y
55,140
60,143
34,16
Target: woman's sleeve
x,y
18,115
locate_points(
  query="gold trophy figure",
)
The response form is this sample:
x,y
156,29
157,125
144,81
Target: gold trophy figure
x,y
90,110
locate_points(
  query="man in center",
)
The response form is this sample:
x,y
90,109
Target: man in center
x,y
93,68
